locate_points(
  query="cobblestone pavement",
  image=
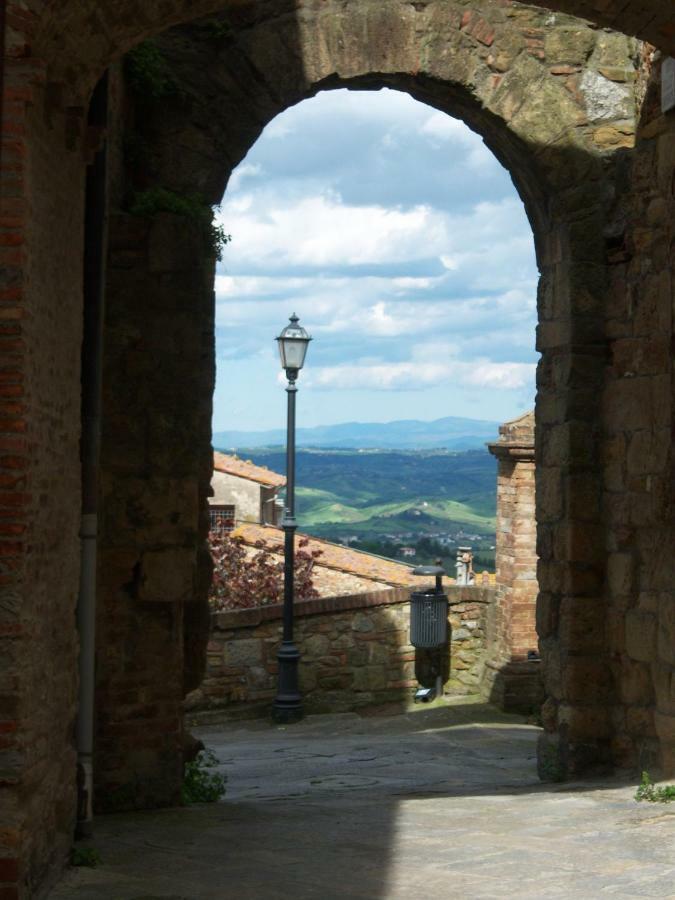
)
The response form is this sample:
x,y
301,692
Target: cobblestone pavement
x,y
439,803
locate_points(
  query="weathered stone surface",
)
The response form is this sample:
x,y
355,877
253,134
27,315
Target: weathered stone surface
x,y
54,55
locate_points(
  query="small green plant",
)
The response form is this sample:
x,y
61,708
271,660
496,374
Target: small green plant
x,y
192,206
650,793
148,73
201,785
219,30
85,856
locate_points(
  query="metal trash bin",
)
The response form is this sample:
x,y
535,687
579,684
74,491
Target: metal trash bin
x,y
429,611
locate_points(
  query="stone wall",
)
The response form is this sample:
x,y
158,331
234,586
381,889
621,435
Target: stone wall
x,y
604,413
155,473
355,652
619,522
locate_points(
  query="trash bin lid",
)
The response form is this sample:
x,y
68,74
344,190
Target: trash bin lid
x,y
427,571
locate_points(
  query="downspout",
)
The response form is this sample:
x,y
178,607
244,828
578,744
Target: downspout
x,y
95,249
3,63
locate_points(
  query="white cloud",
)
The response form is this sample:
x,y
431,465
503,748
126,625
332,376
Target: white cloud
x,y
396,236
242,172
322,231
502,376
446,129
417,375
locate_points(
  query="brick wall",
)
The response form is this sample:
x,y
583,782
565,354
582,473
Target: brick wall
x,y
513,681
355,652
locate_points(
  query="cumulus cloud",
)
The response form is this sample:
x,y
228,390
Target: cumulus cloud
x,y
323,231
400,242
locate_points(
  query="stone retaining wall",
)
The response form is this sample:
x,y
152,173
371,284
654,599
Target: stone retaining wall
x,y
355,652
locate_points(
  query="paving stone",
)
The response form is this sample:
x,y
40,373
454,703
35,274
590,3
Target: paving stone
x,y
437,803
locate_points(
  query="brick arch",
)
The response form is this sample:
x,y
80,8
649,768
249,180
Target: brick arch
x,y
80,37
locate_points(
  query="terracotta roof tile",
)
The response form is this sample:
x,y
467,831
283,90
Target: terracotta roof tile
x,y
242,468
334,556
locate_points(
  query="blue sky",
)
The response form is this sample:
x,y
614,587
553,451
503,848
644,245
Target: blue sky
x,y
401,243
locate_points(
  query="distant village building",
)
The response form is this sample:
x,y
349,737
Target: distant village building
x,y
407,551
245,503
243,492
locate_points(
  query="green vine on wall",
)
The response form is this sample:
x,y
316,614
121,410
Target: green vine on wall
x,y
148,73
192,206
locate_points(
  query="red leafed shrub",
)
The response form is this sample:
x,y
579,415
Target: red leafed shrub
x,y
242,580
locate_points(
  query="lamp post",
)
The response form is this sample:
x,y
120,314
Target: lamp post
x,y
293,342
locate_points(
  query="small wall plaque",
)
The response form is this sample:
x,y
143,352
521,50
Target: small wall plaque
x,y
668,84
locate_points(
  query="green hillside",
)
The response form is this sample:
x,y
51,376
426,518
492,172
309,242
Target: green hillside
x,y
373,493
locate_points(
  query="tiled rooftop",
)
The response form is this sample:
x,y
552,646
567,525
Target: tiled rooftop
x,y
334,556
243,468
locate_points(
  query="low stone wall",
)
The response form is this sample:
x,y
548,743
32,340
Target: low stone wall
x,y
355,652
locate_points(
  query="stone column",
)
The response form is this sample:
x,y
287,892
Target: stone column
x,y
512,680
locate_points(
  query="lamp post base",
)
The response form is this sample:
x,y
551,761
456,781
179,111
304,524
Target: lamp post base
x,y
287,706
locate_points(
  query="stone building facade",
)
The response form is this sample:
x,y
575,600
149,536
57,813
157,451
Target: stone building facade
x,y
248,491
571,109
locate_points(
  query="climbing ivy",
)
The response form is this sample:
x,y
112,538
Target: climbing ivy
x,y
192,206
148,73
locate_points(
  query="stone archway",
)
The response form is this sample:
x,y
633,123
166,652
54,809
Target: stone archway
x,y
601,419
79,37
482,66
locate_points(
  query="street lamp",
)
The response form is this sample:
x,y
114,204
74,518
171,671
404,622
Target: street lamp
x,y
293,342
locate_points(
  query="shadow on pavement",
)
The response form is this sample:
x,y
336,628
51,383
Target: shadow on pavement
x,y
441,802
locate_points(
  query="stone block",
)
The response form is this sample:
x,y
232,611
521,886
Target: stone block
x,y
664,687
640,635
378,653
166,576
363,623
586,681
570,46
640,721
666,629
243,653
585,723
635,684
307,678
582,624
316,645
621,573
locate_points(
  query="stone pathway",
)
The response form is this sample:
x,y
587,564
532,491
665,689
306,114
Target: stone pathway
x,y
439,803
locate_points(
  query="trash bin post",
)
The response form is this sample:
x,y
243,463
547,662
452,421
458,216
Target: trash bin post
x,y
429,620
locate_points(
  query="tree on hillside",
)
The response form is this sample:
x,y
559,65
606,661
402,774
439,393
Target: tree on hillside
x,y
243,579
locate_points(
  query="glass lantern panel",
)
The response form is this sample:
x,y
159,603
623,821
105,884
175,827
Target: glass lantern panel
x,y
293,352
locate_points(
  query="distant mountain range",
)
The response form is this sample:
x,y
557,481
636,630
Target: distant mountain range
x,y
451,433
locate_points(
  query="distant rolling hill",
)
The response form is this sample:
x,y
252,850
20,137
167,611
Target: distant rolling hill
x,y
377,492
451,433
